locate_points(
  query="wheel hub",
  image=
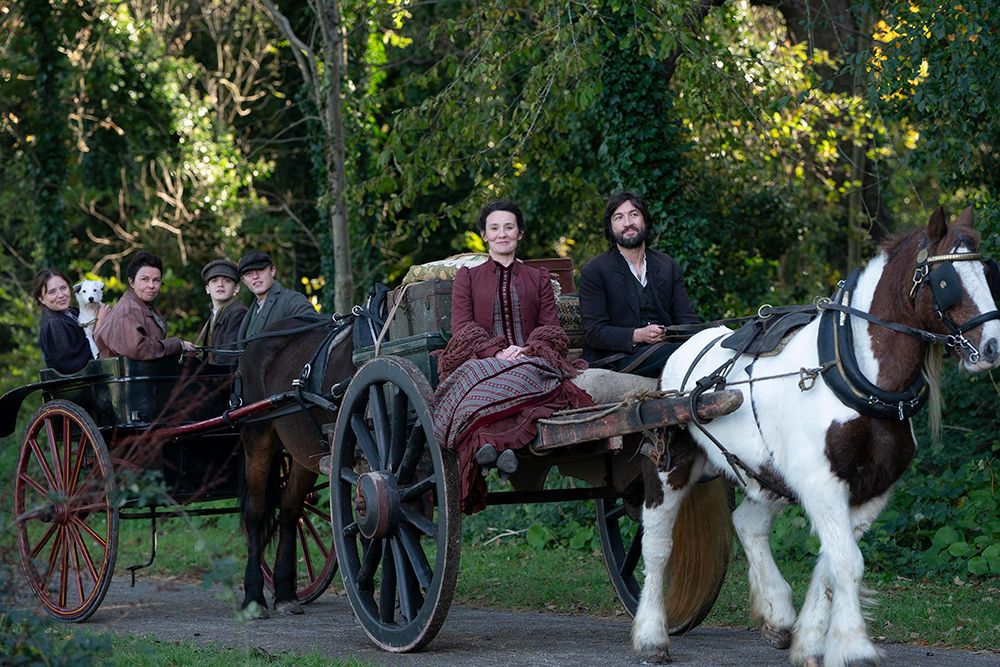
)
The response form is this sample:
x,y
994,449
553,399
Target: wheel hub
x,y
376,503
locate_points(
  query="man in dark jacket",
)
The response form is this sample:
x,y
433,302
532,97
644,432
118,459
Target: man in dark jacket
x,y
274,302
630,293
222,284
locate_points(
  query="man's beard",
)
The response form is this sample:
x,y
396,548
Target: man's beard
x,y
629,243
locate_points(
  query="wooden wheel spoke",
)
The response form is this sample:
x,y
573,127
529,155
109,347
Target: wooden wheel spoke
x,y
57,547
31,482
43,464
418,560
80,549
99,505
64,570
418,489
387,589
380,425
419,521
73,476
399,408
415,445
42,541
314,510
101,541
365,441
348,475
304,535
54,464
616,512
369,563
632,557
351,529
409,596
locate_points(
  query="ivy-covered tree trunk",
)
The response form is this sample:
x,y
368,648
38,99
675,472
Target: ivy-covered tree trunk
x,y
51,134
336,180
643,146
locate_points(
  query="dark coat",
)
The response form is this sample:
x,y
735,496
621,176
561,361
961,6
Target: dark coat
x,y
609,300
475,289
226,330
63,343
279,304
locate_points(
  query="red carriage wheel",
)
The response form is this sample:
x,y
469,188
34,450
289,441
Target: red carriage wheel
x,y
64,511
316,558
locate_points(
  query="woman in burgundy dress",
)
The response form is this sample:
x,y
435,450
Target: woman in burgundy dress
x,y
505,365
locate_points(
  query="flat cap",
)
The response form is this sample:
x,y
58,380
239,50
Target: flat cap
x,y
220,267
255,259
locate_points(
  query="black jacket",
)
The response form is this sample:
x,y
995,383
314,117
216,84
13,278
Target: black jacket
x,y
63,343
609,300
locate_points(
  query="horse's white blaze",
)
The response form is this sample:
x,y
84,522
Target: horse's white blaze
x,y
975,285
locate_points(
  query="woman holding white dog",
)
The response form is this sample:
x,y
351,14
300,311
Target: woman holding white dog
x,y
60,337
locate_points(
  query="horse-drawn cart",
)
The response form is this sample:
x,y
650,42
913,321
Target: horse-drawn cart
x,y
394,493
84,463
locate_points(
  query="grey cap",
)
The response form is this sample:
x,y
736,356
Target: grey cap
x,y
220,267
255,259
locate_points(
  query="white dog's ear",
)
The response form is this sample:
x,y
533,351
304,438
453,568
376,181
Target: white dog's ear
x,y
100,283
76,287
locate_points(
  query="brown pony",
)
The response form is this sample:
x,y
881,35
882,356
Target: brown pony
x,y
274,364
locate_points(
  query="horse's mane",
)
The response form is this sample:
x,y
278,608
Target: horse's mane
x,y
908,244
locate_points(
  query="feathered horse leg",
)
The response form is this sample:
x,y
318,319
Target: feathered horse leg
x,y
838,575
770,595
665,493
811,633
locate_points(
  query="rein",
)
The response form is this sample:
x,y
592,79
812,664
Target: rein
x,y
836,355
239,346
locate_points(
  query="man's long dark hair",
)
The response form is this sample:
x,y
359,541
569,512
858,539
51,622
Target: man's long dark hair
x,y
616,200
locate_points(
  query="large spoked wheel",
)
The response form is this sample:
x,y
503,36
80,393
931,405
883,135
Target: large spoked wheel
x,y
395,506
703,537
64,513
316,558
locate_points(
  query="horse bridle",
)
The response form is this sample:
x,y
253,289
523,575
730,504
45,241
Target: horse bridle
x,y
946,292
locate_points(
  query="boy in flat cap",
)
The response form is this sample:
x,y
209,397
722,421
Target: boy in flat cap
x,y
222,284
274,302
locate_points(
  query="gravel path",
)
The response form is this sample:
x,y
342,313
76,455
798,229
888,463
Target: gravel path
x,y
172,611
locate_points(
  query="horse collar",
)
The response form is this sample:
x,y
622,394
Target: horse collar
x,y
844,376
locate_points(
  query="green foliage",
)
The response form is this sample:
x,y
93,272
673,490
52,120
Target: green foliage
x,y
944,517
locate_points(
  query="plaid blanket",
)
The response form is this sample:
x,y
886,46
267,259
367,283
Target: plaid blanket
x,y
482,391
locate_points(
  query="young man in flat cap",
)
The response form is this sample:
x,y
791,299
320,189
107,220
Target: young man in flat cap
x,y
222,284
274,302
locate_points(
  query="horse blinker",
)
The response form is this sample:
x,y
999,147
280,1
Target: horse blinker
x,y
945,286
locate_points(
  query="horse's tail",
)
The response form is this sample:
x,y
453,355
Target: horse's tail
x,y
703,542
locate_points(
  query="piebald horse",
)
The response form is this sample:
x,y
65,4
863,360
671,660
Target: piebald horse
x,y
823,437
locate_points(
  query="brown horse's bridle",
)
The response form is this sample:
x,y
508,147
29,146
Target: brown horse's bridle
x,y
944,283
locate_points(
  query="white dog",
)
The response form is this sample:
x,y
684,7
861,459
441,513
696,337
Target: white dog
x,y
89,295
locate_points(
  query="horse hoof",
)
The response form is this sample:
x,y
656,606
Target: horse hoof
x,y
779,638
254,611
660,657
291,607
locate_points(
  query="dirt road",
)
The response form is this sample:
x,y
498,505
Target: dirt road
x,y
171,611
